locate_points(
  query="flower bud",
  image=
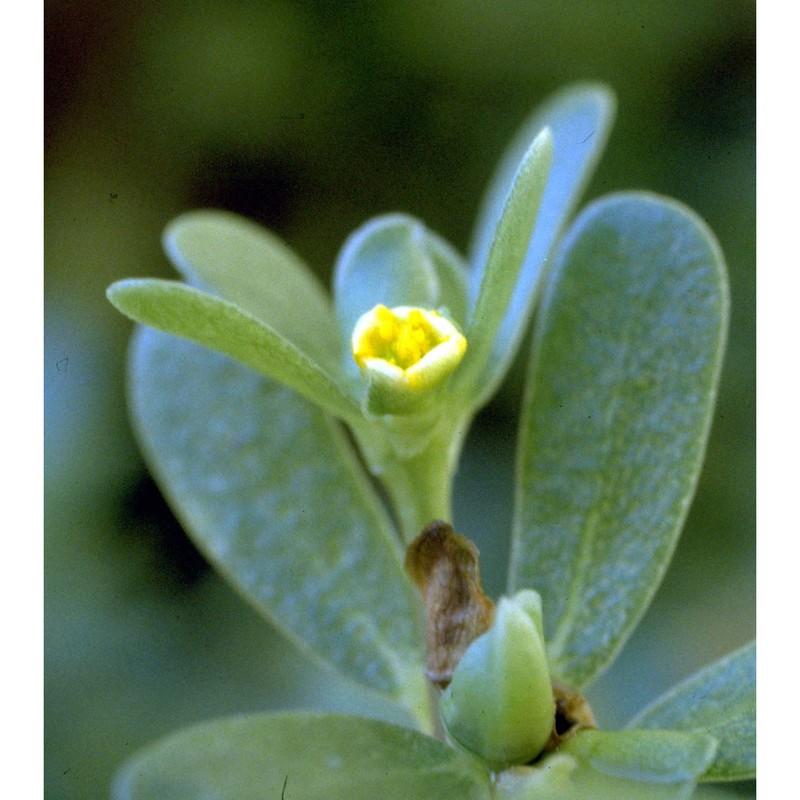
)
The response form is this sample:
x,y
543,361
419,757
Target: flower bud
x,y
403,353
500,703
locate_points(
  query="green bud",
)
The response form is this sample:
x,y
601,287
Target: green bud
x,y
500,703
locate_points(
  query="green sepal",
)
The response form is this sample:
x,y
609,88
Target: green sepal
x,y
499,704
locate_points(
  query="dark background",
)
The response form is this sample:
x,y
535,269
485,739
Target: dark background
x,y
312,117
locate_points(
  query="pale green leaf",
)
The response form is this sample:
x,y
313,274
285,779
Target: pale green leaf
x,y
300,757
645,756
607,765
252,268
720,699
270,490
222,326
580,119
621,388
505,260
451,274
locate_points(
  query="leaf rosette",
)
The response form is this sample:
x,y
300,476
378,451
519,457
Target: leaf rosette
x,y
259,399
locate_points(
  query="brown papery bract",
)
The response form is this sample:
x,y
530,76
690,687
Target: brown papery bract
x,y
444,567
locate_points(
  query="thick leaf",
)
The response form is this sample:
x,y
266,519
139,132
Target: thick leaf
x,y
621,388
187,312
646,756
580,119
605,765
300,757
720,699
506,257
451,274
252,268
270,490
395,261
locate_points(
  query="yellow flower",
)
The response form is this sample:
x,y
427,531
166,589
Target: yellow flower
x,y
403,352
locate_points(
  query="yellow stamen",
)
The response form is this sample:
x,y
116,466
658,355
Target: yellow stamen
x,y
399,340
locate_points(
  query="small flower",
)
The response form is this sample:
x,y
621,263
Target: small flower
x,y
403,353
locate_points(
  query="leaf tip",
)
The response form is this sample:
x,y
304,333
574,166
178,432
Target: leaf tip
x,y
118,291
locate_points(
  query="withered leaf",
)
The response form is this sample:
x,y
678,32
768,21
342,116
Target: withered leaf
x,y
444,567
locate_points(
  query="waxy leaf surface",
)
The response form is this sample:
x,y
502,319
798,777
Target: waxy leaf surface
x,y
270,490
505,260
621,387
251,267
720,699
185,311
579,118
611,765
300,756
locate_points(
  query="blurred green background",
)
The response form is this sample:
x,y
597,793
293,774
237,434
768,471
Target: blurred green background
x,y
311,117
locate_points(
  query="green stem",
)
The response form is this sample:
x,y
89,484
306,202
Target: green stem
x,y
416,459
420,486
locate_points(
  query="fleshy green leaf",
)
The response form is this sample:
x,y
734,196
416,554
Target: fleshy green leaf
x,y
190,313
506,257
624,370
580,119
606,765
252,268
302,756
395,261
720,699
451,274
645,756
270,490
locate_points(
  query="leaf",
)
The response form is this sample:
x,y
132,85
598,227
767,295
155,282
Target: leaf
x,y
270,490
580,119
621,386
451,274
720,699
394,260
610,765
645,756
299,757
252,268
506,257
222,326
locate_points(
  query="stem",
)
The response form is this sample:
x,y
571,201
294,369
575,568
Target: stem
x,y
438,728
424,707
420,486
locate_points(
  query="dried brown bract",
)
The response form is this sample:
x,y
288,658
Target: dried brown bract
x,y
444,567
573,714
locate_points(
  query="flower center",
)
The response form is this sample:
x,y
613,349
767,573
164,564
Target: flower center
x,y
401,336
